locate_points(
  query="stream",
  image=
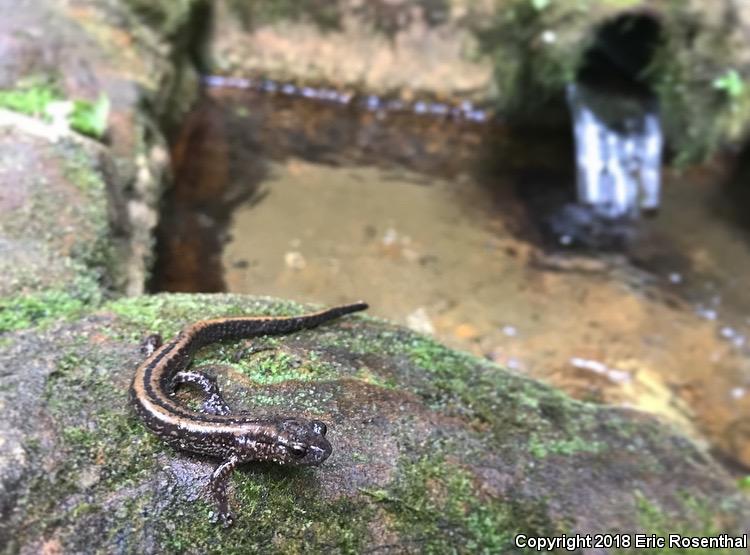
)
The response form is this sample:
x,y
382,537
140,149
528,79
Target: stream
x,y
439,223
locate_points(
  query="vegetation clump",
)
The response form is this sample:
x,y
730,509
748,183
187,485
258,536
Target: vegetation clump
x,y
42,100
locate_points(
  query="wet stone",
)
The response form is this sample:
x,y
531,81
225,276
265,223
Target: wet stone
x,y
432,448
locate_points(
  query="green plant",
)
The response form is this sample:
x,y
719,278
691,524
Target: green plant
x,y
43,101
731,83
32,101
90,118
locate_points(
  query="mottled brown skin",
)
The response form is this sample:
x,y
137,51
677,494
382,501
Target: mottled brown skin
x,y
216,432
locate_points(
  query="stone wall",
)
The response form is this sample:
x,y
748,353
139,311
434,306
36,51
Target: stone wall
x,y
515,54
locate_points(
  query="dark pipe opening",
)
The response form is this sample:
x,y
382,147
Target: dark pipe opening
x,y
621,53
615,68
201,24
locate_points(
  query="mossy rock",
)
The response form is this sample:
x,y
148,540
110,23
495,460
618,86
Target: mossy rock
x,y
77,215
56,250
433,450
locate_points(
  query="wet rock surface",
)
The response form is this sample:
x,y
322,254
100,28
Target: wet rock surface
x,y
83,51
433,449
53,215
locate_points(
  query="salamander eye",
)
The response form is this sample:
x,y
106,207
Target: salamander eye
x,y
319,427
298,451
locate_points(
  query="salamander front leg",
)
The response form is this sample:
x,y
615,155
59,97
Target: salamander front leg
x,y
150,343
213,403
219,479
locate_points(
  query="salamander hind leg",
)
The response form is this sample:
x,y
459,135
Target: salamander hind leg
x,y
218,484
213,403
251,348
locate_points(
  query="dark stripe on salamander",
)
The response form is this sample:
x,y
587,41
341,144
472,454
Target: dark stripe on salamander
x,y
210,331
160,396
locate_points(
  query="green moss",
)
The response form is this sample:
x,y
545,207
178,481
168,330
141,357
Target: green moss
x,y
431,503
277,510
28,310
271,364
167,314
97,253
112,439
101,445
280,367
366,375
69,271
446,377
449,381
44,307
520,413
544,448
80,170
267,367
654,521
83,509
436,510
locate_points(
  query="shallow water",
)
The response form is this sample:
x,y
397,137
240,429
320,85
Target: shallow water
x,y
287,198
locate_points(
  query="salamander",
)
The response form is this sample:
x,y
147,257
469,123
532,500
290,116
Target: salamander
x,y
215,431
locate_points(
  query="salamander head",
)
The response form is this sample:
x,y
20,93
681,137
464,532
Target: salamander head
x,y
303,442
289,441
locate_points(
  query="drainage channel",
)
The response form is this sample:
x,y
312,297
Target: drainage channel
x,y
435,222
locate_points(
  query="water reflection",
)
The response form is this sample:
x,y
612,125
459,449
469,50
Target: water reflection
x,y
464,110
